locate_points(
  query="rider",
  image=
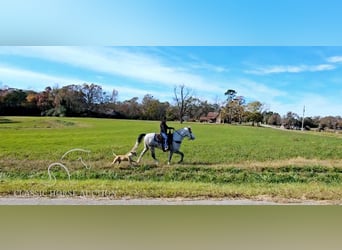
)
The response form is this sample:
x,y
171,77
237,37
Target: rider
x,y
163,132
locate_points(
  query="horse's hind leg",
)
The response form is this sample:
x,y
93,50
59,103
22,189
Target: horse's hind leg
x,y
153,153
142,153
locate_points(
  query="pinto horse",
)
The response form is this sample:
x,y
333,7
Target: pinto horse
x,y
151,142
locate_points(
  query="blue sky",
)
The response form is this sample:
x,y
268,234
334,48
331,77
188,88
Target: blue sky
x,y
284,53
284,78
171,22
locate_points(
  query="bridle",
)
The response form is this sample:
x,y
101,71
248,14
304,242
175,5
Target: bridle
x,y
190,134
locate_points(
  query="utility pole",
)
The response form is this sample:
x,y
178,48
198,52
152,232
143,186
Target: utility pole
x,y
303,118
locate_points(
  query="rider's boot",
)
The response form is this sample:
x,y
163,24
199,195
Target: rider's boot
x,y
165,147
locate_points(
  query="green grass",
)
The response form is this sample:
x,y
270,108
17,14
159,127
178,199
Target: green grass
x,y
142,189
222,157
50,138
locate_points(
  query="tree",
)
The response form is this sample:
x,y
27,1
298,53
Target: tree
x,y
68,100
291,121
200,108
18,102
92,95
183,101
274,119
153,109
15,98
130,108
310,122
114,96
329,122
254,110
45,100
238,109
234,109
230,93
31,98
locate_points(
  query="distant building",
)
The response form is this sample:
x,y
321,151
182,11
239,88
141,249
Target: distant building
x,y
212,117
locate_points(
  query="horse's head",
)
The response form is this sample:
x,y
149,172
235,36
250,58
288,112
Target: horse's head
x,y
189,133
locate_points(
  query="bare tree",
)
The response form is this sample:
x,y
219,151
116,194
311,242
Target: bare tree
x,y
183,98
92,94
114,96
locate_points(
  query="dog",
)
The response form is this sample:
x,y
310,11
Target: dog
x,y
127,157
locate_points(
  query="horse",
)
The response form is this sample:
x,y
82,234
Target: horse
x,y
151,142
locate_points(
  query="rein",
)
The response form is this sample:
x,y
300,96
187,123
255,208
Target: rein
x,y
179,142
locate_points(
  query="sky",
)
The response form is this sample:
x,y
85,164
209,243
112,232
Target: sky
x,y
171,22
285,53
282,78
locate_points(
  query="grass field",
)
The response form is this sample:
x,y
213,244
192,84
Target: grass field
x,y
225,161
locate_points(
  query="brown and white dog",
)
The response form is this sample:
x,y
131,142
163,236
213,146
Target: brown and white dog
x,y
127,157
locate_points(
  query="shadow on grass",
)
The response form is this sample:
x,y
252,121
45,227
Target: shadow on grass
x,y
5,121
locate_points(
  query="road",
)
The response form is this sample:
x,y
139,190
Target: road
x,y
104,201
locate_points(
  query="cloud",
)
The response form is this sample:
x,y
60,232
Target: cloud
x,y
124,62
255,90
202,65
335,59
127,92
22,78
25,79
282,101
210,67
315,105
290,69
146,72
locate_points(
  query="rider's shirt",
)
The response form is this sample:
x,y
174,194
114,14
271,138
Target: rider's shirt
x,y
163,127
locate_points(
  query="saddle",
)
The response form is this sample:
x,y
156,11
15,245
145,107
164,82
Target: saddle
x,y
159,138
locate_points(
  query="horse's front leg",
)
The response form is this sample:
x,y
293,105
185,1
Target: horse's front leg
x,y
181,154
170,157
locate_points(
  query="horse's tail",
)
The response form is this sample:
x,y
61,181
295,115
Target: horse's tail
x,y
139,139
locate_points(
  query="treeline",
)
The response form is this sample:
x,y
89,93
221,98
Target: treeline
x,y
236,110
89,100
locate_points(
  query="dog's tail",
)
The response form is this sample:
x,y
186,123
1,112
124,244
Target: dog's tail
x,y
139,139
